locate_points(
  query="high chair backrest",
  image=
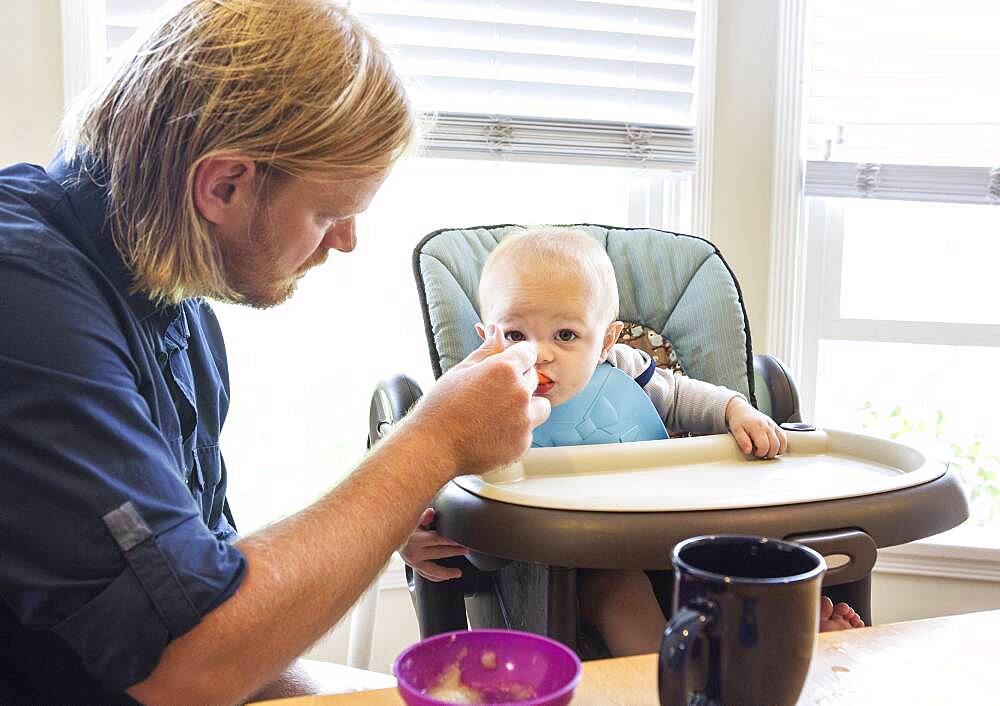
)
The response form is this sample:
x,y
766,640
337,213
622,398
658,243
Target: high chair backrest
x,y
676,285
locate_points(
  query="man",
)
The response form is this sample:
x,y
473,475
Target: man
x,y
225,158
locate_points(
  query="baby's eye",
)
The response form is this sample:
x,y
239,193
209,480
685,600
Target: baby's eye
x,y
515,336
565,335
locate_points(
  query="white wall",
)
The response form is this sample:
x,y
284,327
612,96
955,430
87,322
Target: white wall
x,y
30,80
395,628
897,597
744,137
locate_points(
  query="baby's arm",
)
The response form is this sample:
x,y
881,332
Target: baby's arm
x,y
425,545
755,432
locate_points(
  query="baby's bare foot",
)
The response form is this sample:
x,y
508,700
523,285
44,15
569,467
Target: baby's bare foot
x,y
837,617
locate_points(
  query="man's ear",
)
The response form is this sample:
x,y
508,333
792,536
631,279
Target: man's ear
x,y
615,329
224,189
481,330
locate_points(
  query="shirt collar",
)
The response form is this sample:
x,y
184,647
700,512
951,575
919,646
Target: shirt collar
x,y
88,199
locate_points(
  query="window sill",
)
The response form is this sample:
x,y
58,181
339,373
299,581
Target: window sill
x,y
961,553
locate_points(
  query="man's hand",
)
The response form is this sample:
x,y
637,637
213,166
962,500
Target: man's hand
x,y
483,409
755,433
425,545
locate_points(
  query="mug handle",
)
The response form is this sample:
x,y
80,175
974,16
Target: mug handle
x,y
683,630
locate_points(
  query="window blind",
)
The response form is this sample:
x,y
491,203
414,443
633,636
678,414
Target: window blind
x,y
606,82
904,100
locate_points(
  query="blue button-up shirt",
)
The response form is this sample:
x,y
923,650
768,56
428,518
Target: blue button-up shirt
x,y
113,539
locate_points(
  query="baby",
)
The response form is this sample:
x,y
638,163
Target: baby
x,y
556,288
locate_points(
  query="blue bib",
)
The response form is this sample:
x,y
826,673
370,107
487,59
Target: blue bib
x,y
612,408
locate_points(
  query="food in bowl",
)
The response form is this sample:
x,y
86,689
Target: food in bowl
x,y
450,689
487,667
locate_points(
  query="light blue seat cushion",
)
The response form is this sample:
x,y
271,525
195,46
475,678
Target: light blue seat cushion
x,y
678,285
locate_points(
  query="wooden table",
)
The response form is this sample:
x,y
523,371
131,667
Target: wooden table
x,y
941,661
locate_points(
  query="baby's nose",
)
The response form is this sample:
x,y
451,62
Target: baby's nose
x,y
545,353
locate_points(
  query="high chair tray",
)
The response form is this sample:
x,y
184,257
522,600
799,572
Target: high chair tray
x,y
626,505
704,473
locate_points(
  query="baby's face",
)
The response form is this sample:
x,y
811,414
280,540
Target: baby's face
x,y
561,317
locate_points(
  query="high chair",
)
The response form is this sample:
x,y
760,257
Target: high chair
x,y
841,494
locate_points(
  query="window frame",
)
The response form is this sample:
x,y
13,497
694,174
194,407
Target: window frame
x,y
825,233
804,297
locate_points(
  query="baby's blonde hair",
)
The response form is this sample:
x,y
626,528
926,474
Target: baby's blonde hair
x,y
557,252
299,86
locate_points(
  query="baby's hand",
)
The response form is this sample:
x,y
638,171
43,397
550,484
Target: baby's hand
x,y
755,432
425,545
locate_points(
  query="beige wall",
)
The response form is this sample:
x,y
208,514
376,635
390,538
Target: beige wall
x,y
395,628
898,597
744,138
31,79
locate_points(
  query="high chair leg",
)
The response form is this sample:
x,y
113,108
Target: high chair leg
x,y
440,606
563,610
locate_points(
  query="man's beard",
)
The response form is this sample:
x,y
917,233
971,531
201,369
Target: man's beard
x,y
251,266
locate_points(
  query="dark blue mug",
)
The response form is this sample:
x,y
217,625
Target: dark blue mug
x,y
746,613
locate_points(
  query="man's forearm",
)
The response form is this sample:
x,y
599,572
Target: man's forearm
x,y
303,574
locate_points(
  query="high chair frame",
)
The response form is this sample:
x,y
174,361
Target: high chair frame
x,y
534,587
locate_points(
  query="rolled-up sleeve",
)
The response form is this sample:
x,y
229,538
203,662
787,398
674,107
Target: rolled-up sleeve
x,y
101,542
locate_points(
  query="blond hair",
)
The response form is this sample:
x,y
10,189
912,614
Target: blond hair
x,y
556,252
299,86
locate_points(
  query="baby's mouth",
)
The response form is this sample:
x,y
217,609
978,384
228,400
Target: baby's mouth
x,y
545,384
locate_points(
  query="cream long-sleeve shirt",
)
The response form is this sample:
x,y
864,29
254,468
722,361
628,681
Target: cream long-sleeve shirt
x,y
684,404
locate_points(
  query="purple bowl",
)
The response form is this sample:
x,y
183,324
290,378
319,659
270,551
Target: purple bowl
x,y
498,664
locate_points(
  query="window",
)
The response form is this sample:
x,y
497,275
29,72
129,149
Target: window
x,y
559,80
902,119
556,112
